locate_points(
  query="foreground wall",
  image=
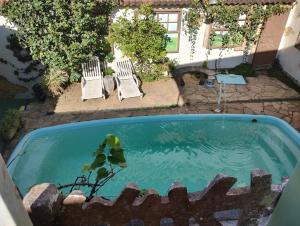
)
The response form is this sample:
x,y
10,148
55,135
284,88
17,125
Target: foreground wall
x,y
46,204
12,212
288,54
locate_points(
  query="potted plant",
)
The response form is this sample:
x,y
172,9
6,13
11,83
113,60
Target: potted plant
x,y
108,80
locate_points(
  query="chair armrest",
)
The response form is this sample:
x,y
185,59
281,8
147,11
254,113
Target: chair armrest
x,y
136,79
117,80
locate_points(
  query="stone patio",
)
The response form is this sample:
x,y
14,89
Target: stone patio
x,y
254,98
162,93
260,88
167,92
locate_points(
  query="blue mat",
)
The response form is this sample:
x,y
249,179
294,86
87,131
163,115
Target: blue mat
x,y
231,79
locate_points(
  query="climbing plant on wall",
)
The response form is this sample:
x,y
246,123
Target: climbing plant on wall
x,y
227,16
193,20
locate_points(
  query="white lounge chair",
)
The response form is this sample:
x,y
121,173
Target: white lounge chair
x,y
127,82
92,85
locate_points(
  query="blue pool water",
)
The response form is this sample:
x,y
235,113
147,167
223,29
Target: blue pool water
x,y
159,150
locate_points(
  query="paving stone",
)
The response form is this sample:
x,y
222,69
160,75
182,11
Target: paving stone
x,y
296,119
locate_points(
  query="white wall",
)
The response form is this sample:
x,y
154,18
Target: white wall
x,y
6,70
288,55
230,57
12,211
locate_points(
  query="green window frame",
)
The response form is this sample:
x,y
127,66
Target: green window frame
x,y
171,21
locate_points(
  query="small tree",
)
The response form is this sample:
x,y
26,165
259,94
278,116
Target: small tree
x,y
103,166
142,38
61,33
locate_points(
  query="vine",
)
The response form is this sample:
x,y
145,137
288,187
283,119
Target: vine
x,y
193,20
227,17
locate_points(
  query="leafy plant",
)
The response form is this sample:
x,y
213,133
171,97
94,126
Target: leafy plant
x,y
108,71
10,123
109,155
142,39
172,65
243,69
227,16
193,19
61,34
54,80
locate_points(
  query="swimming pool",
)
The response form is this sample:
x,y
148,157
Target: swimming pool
x,y
159,150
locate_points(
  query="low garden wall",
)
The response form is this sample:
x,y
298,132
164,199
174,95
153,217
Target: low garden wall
x,y
47,206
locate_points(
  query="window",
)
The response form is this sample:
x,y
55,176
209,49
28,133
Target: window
x,y
297,44
219,32
171,21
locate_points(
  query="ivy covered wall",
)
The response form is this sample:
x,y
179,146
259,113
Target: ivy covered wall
x,y
231,57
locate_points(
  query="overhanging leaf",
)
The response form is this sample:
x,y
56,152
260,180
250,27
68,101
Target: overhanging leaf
x,y
113,141
113,160
86,168
99,161
118,154
102,173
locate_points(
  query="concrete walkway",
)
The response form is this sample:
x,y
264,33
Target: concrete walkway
x,y
162,93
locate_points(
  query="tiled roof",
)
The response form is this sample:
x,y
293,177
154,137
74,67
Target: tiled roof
x,y
169,3
156,2
248,2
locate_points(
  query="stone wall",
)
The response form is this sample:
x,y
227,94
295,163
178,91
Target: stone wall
x,y
47,206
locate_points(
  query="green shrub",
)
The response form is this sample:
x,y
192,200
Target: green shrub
x,y
142,39
10,123
108,71
172,65
243,69
54,81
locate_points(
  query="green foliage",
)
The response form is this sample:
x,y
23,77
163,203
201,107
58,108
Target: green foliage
x,y
10,123
108,157
172,65
193,20
115,156
227,16
61,34
108,71
243,69
142,39
54,80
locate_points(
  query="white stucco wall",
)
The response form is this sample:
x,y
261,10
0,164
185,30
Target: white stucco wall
x,y
12,211
288,55
230,57
6,70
